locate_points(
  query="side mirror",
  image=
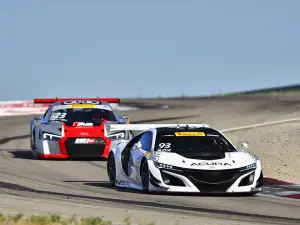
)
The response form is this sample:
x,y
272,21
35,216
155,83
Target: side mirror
x,y
124,118
37,117
138,145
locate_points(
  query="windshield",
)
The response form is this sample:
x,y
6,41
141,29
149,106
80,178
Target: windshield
x,y
82,115
189,143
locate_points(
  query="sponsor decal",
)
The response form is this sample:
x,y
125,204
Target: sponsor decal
x,y
82,124
164,150
84,134
189,134
122,182
210,164
213,135
85,141
80,106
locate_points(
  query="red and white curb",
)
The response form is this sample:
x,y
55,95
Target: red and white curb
x,y
279,188
19,108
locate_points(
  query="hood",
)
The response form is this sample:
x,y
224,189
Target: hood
x,y
54,127
83,129
232,160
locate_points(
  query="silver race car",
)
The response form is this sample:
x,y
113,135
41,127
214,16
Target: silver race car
x,y
73,128
181,158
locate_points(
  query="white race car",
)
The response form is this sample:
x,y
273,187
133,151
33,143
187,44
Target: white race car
x,y
181,158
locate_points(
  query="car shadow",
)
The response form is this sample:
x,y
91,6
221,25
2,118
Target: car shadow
x,y
203,194
106,184
100,184
22,154
28,154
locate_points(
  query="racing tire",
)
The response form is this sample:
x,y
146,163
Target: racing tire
x,y
145,176
111,170
32,138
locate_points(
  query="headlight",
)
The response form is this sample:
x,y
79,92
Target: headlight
x,y
249,167
49,136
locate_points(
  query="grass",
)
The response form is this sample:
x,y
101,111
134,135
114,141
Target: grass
x,y
20,219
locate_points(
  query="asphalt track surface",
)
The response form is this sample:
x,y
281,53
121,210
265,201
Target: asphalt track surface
x,y
81,188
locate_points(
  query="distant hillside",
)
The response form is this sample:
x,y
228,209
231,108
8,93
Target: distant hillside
x,y
274,90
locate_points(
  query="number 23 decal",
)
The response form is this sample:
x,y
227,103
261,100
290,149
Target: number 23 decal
x,y
59,116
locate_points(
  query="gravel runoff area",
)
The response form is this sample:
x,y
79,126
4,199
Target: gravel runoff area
x,y
278,147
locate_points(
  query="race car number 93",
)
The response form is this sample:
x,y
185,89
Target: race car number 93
x,y
164,147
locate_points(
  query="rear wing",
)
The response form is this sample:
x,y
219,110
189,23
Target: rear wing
x,y
52,100
111,129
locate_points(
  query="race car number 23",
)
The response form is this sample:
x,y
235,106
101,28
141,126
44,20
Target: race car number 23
x,y
164,147
59,115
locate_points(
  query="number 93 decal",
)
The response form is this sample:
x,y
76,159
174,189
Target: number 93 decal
x,y
164,147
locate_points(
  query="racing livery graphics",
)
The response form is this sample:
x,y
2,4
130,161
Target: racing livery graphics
x,y
182,158
73,128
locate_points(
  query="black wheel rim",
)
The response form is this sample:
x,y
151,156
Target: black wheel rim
x,y
145,176
112,169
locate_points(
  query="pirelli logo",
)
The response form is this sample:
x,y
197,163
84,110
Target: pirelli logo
x,y
189,134
82,106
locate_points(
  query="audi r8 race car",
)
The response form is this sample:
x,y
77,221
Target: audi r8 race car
x,y
182,158
73,128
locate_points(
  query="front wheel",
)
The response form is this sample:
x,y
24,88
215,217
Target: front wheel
x,y
111,169
145,176
32,139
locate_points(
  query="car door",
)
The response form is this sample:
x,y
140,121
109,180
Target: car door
x,y
39,127
137,153
125,154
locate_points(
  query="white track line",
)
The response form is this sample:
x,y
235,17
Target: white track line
x,y
261,124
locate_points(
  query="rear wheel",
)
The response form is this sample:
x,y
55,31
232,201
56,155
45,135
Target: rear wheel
x,y
145,176
111,169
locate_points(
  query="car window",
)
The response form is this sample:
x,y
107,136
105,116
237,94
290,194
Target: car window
x,y
45,114
146,141
195,142
82,114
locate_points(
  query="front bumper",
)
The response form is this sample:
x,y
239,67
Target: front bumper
x,y
66,148
206,181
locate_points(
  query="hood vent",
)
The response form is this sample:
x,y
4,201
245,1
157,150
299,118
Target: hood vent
x,y
202,155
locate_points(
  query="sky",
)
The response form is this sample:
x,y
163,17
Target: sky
x,y
128,49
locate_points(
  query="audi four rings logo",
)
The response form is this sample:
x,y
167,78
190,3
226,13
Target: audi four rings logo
x,y
81,102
